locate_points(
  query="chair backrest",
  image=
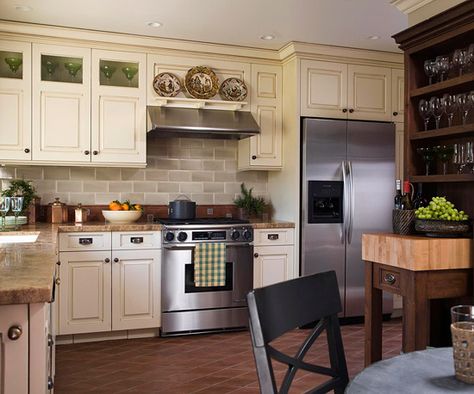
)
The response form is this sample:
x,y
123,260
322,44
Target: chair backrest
x,y
279,308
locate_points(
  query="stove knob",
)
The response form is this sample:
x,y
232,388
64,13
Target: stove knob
x,y
169,237
234,235
182,236
247,234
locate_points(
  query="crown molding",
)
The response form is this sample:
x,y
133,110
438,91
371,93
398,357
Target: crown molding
x,y
408,6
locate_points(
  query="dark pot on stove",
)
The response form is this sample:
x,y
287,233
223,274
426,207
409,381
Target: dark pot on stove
x,y
182,208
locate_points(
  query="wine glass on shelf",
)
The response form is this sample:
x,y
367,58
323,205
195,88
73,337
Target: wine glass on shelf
x,y
445,155
16,207
4,208
437,109
14,63
72,68
459,157
450,107
428,155
425,111
108,71
430,70
130,72
459,60
442,65
464,104
50,67
470,156
470,56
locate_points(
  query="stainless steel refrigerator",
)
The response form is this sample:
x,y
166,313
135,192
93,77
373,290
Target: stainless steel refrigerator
x,y
348,178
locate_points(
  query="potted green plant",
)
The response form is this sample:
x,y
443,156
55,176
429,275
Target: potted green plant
x,y
249,206
21,187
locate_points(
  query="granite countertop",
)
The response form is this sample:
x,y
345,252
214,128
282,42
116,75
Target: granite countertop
x,y
27,269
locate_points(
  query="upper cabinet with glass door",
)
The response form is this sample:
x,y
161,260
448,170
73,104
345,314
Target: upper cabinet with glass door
x,y
118,107
61,103
15,101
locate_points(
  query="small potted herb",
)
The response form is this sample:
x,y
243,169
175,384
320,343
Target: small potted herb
x,y
23,188
249,206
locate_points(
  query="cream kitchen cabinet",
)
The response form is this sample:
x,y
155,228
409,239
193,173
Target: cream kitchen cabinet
x,y
273,256
118,107
264,151
106,285
15,101
399,150
345,91
398,96
27,348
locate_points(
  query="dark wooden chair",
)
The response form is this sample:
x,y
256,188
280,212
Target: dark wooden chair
x,y
279,308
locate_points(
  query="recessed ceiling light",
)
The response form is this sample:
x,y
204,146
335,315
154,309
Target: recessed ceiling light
x,y
23,8
267,37
154,24
373,37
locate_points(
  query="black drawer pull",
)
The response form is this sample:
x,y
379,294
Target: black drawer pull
x,y
389,278
272,237
86,241
136,240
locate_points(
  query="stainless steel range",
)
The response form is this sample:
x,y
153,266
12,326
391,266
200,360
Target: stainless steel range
x,y
188,309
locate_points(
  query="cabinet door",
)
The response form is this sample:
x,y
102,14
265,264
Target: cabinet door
x,y
118,107
398,96
15,100
61,103
84,292
14,353
136,289
272,264
368,93
399,150
264,151
323,89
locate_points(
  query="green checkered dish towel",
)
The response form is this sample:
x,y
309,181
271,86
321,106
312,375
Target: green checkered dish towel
x,y
209,264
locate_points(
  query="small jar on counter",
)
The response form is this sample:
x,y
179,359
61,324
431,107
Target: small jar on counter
x,y
80,214
58,212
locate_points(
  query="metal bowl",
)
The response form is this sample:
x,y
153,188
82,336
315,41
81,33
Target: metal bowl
x,y
442,228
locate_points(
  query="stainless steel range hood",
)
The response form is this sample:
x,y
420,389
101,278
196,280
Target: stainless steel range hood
x,y
201,123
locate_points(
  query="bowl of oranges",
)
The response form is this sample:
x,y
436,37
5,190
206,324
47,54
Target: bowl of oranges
x,y
122,213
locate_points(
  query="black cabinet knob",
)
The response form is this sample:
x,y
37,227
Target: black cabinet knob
x,y
95,152
107,260
116,260
254,157
86,152
351,110
27,150
344,110
395,113
255,255
14,332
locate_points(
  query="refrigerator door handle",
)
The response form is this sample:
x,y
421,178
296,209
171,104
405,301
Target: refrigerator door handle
x,y
345,197
351,202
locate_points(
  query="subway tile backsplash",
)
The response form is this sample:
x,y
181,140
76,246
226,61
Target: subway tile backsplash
x,y
203,169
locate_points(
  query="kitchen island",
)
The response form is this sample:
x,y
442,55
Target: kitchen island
x,y
418,268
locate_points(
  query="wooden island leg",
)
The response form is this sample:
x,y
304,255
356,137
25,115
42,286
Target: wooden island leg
x,y
373,318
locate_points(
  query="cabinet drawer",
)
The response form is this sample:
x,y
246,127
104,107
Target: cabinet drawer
x,y
274,237
136,240
71,242
387,279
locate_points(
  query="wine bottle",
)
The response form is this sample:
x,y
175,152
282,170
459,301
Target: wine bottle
x,y
406,199
419,200
397,201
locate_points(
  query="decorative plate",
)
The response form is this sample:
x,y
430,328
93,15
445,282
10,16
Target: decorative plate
x,y
442,228
201,82
166,84
233,89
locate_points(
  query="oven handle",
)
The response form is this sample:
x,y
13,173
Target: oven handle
x,y
190,246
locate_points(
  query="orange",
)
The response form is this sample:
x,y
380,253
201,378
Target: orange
x,y
137,207
126,206
115,206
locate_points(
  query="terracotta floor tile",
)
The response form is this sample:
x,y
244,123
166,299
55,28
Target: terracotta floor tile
x,y
204,364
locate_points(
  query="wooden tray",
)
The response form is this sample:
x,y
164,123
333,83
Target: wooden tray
x,y
442,228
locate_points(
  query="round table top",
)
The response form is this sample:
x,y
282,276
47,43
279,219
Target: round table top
x,y
427,371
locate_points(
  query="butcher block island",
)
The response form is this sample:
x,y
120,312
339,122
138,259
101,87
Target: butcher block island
x,y
425,272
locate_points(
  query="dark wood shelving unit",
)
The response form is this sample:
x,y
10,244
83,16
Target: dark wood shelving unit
x,y
454,131
445,86
442,178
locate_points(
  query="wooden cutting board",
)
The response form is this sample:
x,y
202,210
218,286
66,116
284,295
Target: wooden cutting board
x,y
417,253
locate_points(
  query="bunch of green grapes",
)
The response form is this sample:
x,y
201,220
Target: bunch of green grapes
x,y
440,209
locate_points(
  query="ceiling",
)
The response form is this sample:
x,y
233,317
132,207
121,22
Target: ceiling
x,y
239,22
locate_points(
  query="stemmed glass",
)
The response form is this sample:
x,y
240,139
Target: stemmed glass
x,y
464,103
450,107
425,111
470,55
445,154
4,208
442,65
430,70
470,155
428,155
459,158
50,67
436,107
72,68
14,63
16,206
459,60
130,72
108,71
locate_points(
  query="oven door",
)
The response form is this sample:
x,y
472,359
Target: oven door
x,y
179,292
